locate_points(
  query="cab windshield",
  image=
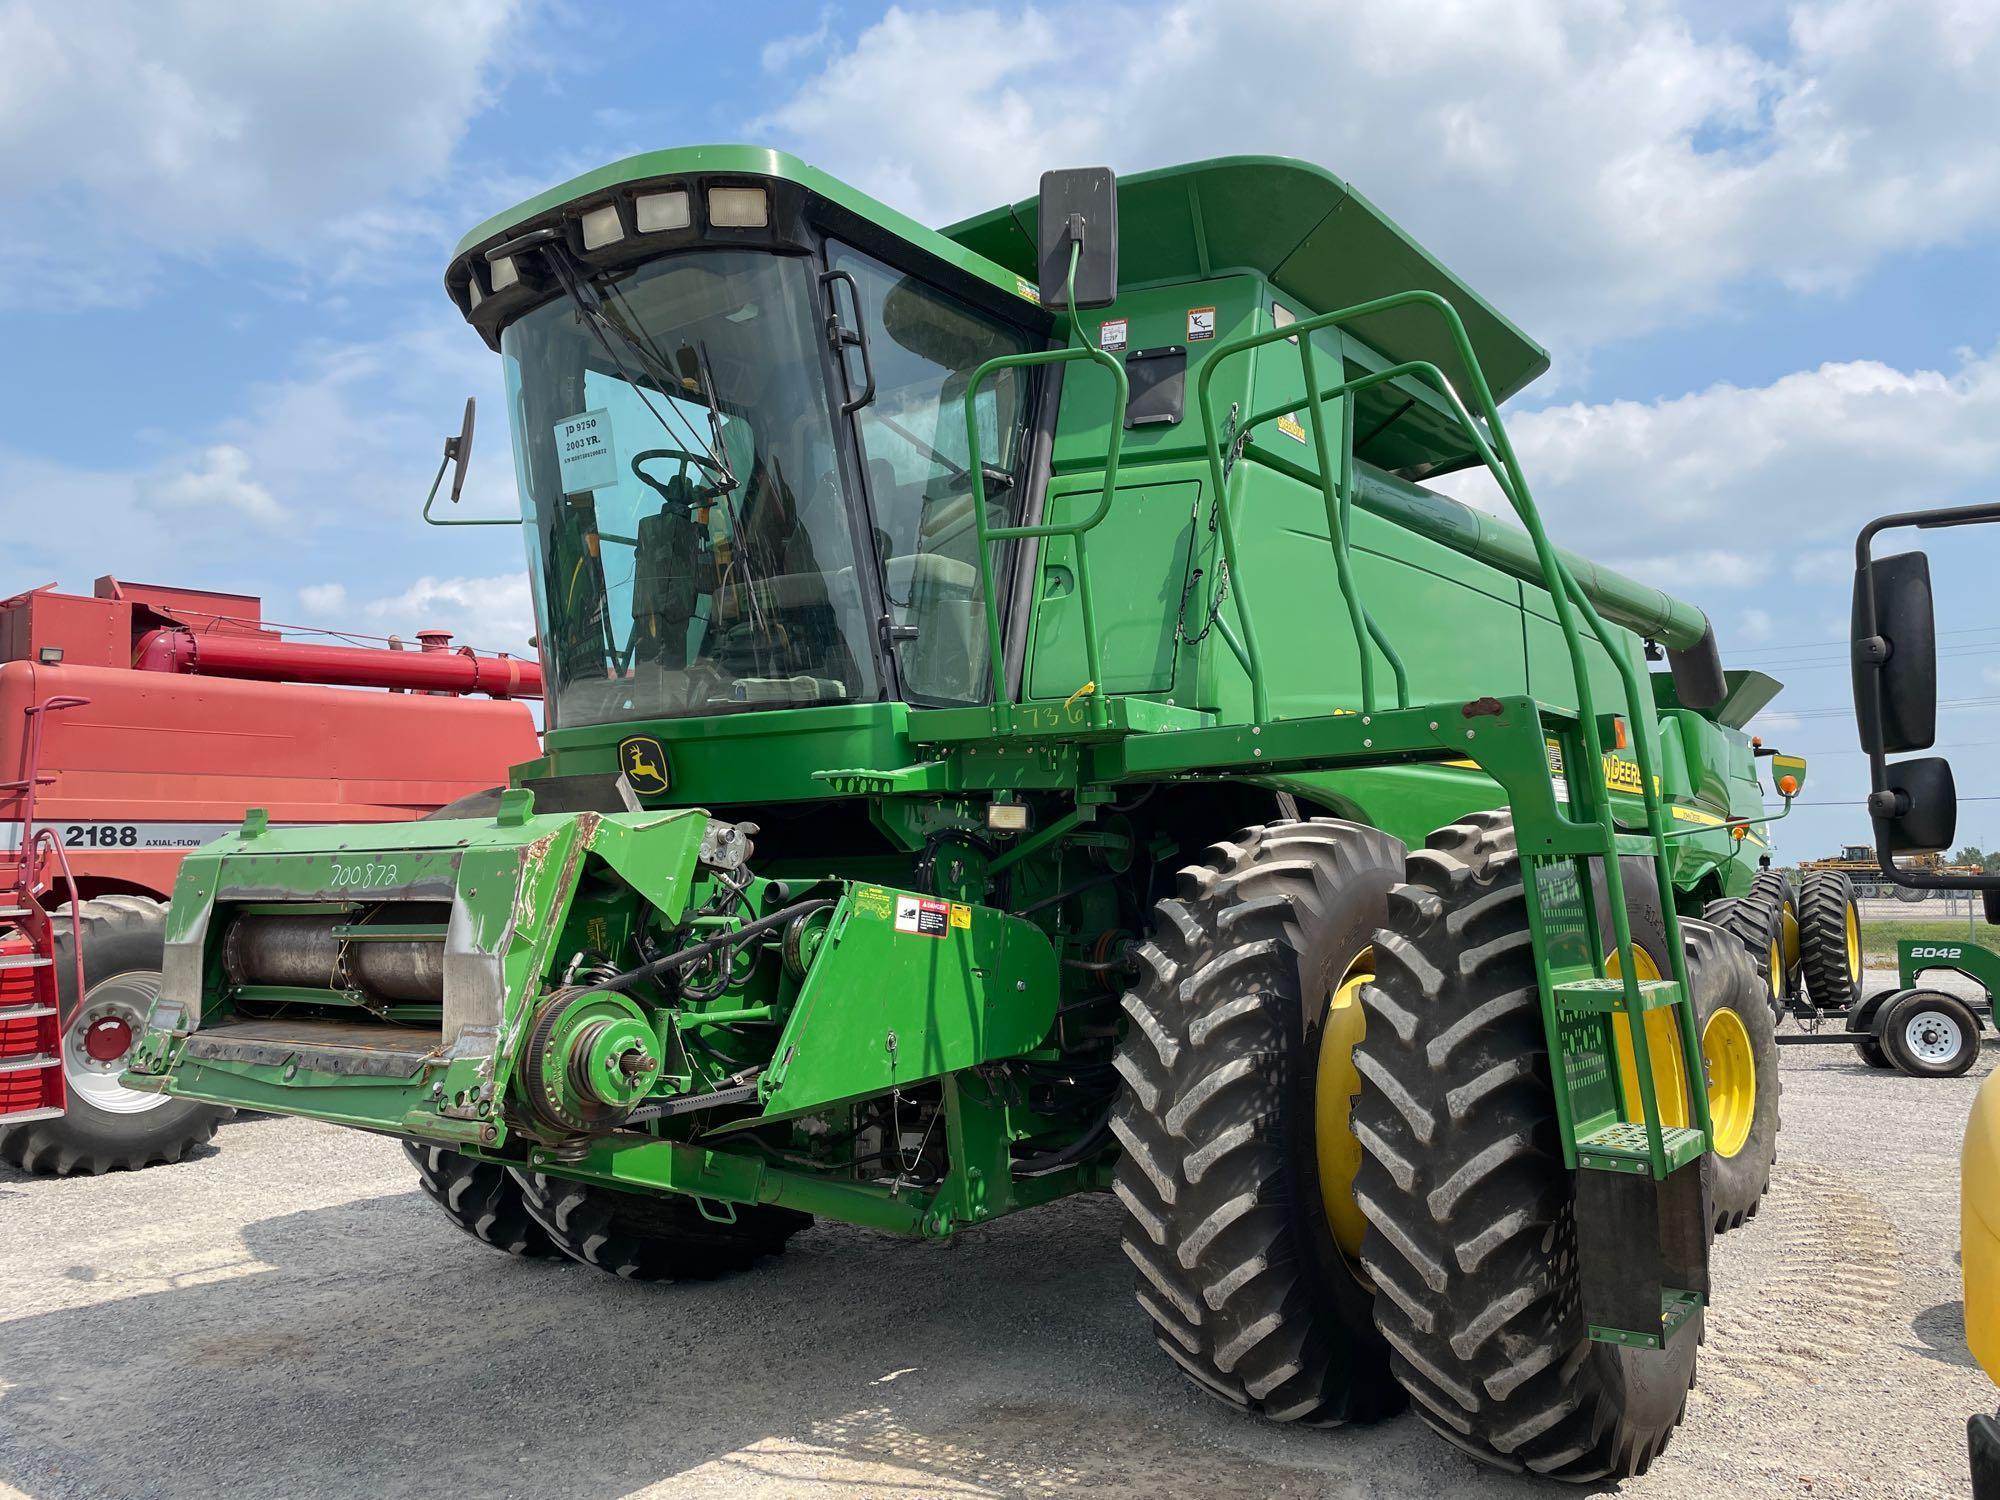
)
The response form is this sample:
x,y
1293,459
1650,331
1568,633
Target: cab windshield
x,y
691,551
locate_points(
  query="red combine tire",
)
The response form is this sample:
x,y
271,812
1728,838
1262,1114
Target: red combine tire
x,y
108,1126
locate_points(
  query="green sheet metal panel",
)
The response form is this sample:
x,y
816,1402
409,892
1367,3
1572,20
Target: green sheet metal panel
x,y
1455,622
1139,563
906,988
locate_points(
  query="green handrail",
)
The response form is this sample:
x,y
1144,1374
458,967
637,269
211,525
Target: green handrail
x,y
1567,598
1093,689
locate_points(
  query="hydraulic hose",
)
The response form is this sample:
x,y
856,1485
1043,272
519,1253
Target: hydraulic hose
x,y
696,952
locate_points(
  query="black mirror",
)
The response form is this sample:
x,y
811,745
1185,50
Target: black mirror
x,y
1991,896
459,449
1895,655
1079,207
1918,811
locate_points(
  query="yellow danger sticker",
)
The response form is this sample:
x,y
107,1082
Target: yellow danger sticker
x,y
961,914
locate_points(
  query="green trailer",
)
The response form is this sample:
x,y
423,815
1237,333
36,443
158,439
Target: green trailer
x,y
1018,725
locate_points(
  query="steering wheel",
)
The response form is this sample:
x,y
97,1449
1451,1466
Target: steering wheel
x,y
702,460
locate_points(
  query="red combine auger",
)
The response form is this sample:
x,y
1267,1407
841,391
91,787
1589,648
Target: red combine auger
x,y
139,723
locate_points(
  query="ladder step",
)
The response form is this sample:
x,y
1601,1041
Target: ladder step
x,y
1622,1147
24,1012
24,961
28,1064
13,911
1601,996
23,1116
1676,1307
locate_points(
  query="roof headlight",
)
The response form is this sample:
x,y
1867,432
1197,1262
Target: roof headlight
x,y
601,227
656,211
504,273
739,207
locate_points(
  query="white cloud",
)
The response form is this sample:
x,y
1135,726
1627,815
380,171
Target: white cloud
x,y
1595,166
1793,466
323,599
131,128
790,51
1714,567
340,452
220,481
494,614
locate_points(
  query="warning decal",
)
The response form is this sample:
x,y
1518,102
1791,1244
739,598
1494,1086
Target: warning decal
x,y
1201,324
1290,426
923,916
1111,334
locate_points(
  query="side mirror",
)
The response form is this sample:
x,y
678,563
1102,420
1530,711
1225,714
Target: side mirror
x,y
1918,810
1079,207
1895,654
458,450
1991,896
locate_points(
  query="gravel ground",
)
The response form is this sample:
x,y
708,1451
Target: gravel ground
x,y
287,1316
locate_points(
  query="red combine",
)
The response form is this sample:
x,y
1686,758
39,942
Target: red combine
x,y
139,723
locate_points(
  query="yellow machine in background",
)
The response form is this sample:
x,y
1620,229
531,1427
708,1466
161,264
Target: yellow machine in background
x,y
1979,1256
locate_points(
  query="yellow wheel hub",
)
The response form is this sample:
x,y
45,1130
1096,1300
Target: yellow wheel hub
x,y
1726,1059
1777,962
1788,926
1334,1089
1663,1046
1853,941
1732,1080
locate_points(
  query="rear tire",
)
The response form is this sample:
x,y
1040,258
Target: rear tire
x,y
1757,923
1226,1219
1471,1239
482,1198
1722,978
105,1126
1929,1034
1832,965
1772,888
652,1236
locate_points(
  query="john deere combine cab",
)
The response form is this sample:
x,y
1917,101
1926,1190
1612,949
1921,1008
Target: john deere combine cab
x,y
996,753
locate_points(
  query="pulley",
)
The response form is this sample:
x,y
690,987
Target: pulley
x,y
590,1059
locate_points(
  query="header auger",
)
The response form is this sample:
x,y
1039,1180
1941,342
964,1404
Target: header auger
x,y
995,753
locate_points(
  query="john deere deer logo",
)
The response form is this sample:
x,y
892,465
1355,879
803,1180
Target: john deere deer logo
x,y
644,764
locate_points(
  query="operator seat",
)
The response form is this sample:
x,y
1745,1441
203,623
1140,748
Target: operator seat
x,y
666,581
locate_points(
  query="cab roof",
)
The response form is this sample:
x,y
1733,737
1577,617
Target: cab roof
x,y
739,161
1310,234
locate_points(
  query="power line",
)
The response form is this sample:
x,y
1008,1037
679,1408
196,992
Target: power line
x,y
1859,802
1811,645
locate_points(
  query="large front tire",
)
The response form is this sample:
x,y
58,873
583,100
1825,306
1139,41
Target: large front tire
x,y
1471,1232
105,1125
480,1197
654,1236
1238,1052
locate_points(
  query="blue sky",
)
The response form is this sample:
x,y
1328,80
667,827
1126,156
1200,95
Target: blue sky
x,y
1762,241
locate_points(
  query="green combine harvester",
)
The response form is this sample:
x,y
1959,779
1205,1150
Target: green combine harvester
x,y
996,753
